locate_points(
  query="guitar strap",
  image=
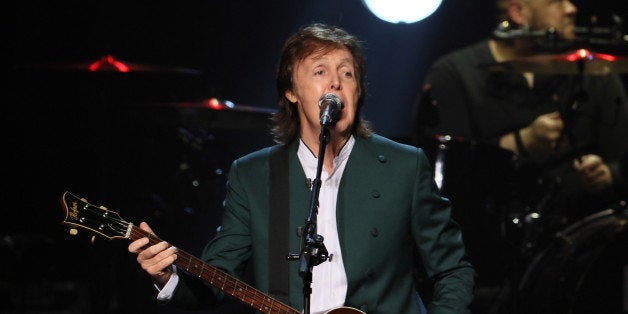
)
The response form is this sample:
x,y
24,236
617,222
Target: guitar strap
x,y
279,216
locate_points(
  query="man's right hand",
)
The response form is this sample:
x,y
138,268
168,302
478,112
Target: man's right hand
x,y
157,259
542,136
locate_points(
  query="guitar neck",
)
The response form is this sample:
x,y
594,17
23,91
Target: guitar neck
x,y
219,279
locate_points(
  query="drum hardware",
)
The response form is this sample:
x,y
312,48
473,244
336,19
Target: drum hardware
x,y
597,35
216,114
529,228
506,30
444,141
439,162
569,269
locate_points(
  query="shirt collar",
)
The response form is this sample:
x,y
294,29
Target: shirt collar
x,y
310,162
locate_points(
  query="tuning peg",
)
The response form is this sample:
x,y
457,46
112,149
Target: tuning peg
x,y
92,240
73,232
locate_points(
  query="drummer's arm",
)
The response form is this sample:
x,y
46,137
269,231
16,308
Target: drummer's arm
x,y
508,141
541,137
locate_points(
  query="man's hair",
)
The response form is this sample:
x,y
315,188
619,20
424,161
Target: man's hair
x,y
314,38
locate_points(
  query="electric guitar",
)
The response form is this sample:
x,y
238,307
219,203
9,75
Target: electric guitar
x,y
103,222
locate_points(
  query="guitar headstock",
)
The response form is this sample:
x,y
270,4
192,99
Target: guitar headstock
x,y
97,219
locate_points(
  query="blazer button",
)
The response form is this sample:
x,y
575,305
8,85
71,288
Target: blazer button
x,y
375,194
382,159
374,232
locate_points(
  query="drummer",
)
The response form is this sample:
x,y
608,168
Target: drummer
x,y
565,128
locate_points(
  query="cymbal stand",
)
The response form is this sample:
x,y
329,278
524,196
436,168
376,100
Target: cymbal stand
x,y
568,112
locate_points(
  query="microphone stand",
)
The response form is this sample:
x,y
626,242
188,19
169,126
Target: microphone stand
x,y
313,251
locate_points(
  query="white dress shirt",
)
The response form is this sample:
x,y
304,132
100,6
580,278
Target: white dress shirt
x,y
329,279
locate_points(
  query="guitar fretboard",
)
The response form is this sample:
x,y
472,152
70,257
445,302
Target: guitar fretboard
x,y
218,278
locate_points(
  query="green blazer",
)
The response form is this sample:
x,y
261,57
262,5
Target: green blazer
x,y
387,204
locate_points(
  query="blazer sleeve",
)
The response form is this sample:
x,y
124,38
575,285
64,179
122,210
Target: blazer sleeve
x,y
440,245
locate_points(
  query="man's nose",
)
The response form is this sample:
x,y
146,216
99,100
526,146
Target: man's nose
x,y
335,82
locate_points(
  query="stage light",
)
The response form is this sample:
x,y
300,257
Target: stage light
x,y
402,11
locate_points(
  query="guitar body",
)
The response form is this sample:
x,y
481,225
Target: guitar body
x,y
108,224
344,310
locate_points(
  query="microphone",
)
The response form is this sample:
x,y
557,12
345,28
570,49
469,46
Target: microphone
x,y
330,106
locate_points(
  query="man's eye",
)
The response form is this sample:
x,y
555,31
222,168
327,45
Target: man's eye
x,y
348,74
319,72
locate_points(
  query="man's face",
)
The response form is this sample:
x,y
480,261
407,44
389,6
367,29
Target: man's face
x,y
545,14
321,73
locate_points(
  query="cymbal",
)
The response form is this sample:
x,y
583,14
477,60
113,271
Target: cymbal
x,y
220,105
108,63
220,114
579,61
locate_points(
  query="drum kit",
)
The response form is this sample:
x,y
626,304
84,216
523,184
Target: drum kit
x,y
581,267
215,113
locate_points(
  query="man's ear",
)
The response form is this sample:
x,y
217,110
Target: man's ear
x,y
516,12
291,96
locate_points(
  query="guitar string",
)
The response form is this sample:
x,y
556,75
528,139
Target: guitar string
x,y
115,219
249,293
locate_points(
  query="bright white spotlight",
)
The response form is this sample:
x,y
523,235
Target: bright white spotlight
x,y
402,11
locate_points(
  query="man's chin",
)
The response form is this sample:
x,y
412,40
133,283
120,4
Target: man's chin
x,y
341,128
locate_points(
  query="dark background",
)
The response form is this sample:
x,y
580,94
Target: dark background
x,y
123,141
